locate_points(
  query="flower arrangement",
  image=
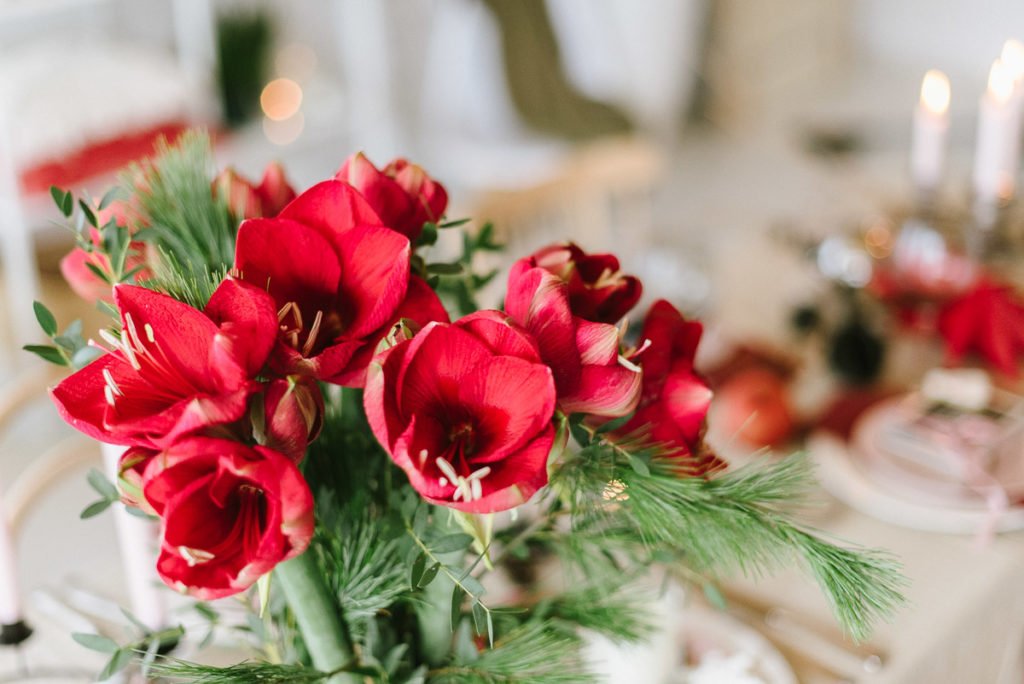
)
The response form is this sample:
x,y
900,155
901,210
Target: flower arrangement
x,y
316,434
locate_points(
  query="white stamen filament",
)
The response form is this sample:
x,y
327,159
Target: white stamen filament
x,y
468,488
111,383
195,557
123,346
109,394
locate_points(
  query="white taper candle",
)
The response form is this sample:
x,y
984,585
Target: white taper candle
x,y
931,128
136,539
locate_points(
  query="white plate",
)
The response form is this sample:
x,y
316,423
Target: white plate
x,y
842,473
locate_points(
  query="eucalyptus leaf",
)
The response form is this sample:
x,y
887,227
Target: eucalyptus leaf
x,y
120,661
46,320
95,642
95,508
99,482
451,542
47,353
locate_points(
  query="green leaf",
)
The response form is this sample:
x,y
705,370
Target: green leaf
x,y
90,215
46,320
429,575
111,195
95,508
479,617
98,272
615,424
416,573
451,542
99,482
117,663
455,224
47,353
639,465
58,198
206,610
84,356
456,607
445,269
138,513
473,586
95,642
143,628
429,235
579,433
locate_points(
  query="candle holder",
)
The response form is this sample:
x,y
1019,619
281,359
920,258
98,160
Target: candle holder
x,y
15,633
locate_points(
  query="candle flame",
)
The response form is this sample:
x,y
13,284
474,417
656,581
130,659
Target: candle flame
x,y
1000,82
935,92
1013,57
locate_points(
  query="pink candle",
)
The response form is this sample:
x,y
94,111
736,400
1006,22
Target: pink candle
x,y
931,129
136,538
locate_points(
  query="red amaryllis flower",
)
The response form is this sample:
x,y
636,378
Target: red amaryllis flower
x,y
247,200
989,321
75,266
598,291
174,370
402,194
675,399
229,514
590,374
466,411
339,278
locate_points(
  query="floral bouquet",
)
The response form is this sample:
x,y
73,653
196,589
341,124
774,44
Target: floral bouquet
x,y
319,434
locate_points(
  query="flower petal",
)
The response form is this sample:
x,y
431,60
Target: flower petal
x,y
510,400
439,359
538,301
332,208
292,261
374,277
608,391
501,334
167,328
247,318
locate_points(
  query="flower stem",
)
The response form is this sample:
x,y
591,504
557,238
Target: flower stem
x,y
320,622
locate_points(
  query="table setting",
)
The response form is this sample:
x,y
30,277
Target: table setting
x,y
352,430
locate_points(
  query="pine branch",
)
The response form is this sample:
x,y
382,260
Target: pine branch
x,y
532,654
618,611
242,673
182,215
733,522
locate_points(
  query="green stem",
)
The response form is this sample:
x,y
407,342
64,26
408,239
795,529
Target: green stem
x,y
320,621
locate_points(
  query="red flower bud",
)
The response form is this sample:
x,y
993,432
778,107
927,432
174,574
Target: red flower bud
x,y
402,194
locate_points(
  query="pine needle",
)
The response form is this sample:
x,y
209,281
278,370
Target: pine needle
x,y
735,522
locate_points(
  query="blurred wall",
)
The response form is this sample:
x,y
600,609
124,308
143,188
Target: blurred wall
x,y
960,36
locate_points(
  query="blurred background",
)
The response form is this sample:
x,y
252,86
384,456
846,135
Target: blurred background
x,y
698,139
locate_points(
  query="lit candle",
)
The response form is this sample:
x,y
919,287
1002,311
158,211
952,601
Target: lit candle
x,y
1013,57
136,538
931,128
996,123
